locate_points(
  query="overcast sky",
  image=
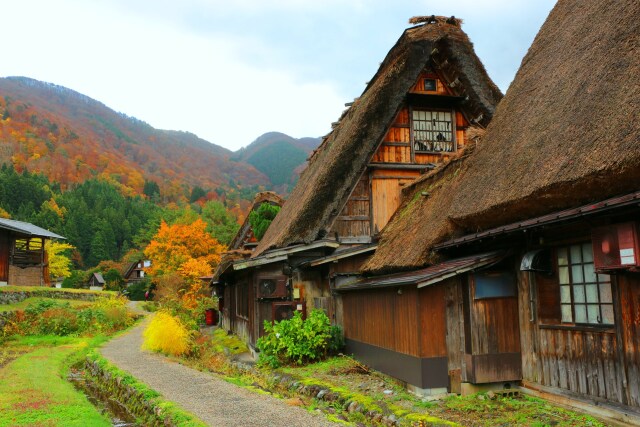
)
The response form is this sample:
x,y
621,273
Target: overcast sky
x,y
231,70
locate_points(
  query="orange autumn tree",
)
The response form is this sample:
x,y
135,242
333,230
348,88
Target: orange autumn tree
x,y
185,249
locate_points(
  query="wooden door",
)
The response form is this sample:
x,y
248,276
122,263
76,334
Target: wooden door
x,y
386,193
5,249
492,331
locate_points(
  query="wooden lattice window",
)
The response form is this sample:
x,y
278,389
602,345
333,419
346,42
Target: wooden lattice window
x,y
433,131
585,297
27,252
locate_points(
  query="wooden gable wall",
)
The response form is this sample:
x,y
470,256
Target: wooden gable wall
x,y
378,193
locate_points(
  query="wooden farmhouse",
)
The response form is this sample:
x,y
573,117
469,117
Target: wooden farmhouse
x,y
233,301
23,260
136,271
426,104
519,264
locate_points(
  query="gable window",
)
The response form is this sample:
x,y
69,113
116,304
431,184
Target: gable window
x,y
585,297
430,85
433,131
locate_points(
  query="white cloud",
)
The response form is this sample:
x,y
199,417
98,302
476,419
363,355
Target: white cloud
x,y
170,79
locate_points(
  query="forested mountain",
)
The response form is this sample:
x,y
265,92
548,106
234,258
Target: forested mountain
x,y
70,138
279,157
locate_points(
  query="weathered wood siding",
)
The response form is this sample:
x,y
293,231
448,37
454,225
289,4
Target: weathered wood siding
x,y
432,320
354,219
386,192
383,318
603,364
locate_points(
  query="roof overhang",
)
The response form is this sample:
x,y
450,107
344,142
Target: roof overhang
x,y
552,218
283,254
338,255
427,276
27,229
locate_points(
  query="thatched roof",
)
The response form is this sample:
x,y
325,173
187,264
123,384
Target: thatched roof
x,y
260,198
567,133
343,156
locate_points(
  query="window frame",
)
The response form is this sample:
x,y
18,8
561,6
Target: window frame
x,y
412,130
572,266
29,252
242,300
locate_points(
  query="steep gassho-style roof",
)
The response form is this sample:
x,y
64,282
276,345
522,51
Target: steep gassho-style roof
x,y
567,133
343,156
27,228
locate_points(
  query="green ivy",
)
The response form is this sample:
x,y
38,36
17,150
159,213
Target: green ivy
x,y
298,341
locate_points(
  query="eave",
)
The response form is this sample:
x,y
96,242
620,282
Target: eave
x,y
552,218
283,254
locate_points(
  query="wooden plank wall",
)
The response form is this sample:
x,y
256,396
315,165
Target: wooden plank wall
x,y
432,320
604,365
629,292
428,73
383,318
354,220
454,330
494,326
386,191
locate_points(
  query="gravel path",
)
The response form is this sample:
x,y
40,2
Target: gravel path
x,y
213,400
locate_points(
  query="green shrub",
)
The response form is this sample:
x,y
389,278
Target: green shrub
x,y
297,340
136,291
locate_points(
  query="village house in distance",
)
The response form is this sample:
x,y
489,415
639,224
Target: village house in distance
x,y
23,260
510,259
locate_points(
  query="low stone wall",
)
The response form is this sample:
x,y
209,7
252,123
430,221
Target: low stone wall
x,y
11,297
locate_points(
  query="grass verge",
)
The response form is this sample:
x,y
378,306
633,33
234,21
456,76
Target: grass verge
x,y
33,388
134,389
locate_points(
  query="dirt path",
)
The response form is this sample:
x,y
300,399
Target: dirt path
x,y
213,400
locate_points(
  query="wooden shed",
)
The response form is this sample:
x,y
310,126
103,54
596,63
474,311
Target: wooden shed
x,y
23,260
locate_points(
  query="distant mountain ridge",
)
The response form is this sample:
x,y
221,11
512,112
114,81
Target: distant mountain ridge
x,y
279,156
71,137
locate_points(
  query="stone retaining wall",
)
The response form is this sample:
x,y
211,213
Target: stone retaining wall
x,y
12,297
151,411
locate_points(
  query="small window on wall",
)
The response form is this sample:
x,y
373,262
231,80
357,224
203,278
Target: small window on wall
x,y
433,131
494,284
585,297
430,85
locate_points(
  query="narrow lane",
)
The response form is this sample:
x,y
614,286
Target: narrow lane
x,y
213,400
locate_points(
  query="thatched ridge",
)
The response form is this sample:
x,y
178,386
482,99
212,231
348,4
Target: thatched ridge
x,y
567,133
343,156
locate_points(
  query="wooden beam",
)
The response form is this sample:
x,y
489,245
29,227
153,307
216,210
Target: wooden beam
x,y
401,166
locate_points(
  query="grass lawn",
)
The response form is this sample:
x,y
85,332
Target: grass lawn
x,y
33,388
34,300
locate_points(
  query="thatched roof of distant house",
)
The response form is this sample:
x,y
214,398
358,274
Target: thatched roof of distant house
x,y
567,133
236,250
260,198
336,165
